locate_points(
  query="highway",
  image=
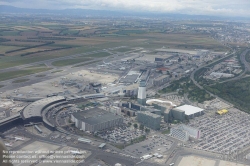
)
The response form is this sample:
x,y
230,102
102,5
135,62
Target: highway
x,y
206,65
199,86
246,67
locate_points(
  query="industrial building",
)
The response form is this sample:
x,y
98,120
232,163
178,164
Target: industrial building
x,y
95,119
161,80
148,119
186,112
183,132
141,98
221,75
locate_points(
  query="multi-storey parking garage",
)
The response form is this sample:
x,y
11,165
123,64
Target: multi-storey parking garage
x,y
95,119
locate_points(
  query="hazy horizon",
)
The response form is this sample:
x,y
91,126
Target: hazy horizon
x,y
190,7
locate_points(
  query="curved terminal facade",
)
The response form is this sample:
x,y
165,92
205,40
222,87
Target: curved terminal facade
x,y
34,111
38,110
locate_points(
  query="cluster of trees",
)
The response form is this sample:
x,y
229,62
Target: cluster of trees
x,y
32,41
141,127
248,57
4,40
186,86
139,139
55,49
236,92
51,38
26,48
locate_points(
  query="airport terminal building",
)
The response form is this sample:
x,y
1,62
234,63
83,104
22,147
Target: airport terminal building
x,y
95,119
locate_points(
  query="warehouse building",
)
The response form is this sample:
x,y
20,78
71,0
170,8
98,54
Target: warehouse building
x,y
148,119
95,119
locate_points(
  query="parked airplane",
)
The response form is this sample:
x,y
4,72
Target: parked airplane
x,y
19,139
8,144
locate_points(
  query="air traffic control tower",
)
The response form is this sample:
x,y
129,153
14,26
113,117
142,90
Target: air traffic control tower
x,y
141,98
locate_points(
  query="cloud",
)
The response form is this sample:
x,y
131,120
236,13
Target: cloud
x,y
196,7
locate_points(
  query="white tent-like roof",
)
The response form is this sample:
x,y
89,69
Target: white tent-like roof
x,y
160,101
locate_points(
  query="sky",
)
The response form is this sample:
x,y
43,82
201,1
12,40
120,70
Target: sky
x,y
236,8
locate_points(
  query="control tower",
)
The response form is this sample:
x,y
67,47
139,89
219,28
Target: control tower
x,y
141,98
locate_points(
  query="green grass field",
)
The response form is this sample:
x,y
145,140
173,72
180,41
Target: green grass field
x,y
57,71
20,81
3,48
67,62
87,63
41,75
123,49
99,55
36,66
19,73
166,132
9,33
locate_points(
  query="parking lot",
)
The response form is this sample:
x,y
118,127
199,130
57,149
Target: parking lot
x,y
120,135
154,144
225,134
